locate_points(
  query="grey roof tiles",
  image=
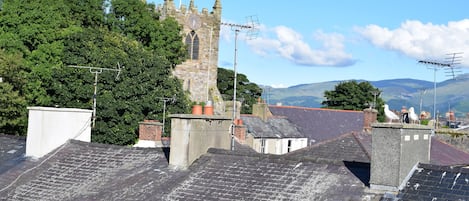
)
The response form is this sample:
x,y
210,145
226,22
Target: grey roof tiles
x,y
88,171
221,175
12,149
274,127
343,148
432,182
321,124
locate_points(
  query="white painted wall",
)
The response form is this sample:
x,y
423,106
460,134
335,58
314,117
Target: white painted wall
x,y
296,143
49,128
278,145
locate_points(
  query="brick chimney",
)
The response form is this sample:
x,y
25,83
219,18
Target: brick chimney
x,y
396,149
240,131
149,134
370,116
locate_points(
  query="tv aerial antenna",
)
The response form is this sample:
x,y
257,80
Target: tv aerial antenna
x,y
453,59
449,65
165,100
252,31
96,71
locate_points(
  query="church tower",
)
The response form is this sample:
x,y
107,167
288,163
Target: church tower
x,y
201,32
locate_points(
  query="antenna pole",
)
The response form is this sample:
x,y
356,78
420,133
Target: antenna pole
x,y
94,95
165,99
237,28
96,71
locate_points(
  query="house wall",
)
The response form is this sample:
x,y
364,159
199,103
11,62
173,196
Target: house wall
x,y
49,128
193,135
278,146
396,149
295,144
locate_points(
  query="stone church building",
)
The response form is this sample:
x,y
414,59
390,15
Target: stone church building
x,y
202,32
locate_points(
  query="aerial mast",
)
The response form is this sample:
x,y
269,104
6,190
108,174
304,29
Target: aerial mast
x,y
251,28
435,66
96,71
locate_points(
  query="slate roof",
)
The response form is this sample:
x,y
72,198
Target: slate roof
x,y
88,171
274,127
223,175
321,124
356,147
12,149
432,182
336,169
446,154
347,147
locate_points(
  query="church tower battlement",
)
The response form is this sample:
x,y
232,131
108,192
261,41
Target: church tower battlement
x,y
201,32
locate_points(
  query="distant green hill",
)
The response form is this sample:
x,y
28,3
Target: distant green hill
x,y
451,94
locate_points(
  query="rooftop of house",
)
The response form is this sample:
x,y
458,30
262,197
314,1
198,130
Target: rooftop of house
x,y
90,171
356,147
224,175
433,182
273,127
12,149
321,124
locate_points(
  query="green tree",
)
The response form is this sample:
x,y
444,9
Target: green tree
x,y
140,21
353,95
246,91
122,102
40,38
12,111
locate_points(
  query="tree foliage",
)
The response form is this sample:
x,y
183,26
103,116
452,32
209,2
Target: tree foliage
x,y
246,91
353,95
39,39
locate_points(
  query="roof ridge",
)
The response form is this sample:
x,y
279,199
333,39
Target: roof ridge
x,y
318,144
113,146
361,145
309,108
284,157
446,168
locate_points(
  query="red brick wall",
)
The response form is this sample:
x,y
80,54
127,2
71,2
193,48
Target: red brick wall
x,y
370,116
150,130
240,134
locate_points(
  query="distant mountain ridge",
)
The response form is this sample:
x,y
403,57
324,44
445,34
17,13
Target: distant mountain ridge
x,y
451,94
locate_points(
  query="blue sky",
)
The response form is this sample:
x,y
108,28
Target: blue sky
x,y
307,41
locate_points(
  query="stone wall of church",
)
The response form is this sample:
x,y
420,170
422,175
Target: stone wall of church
x,y
199,76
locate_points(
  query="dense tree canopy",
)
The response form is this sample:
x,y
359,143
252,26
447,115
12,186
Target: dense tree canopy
x,y
40,39
246,92
353,95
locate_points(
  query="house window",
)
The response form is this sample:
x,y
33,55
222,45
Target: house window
x,y
289,146
192,42
263,146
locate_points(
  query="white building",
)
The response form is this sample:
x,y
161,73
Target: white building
x,y
275,135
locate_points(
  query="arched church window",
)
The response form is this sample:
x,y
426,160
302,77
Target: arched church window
x,y
192,42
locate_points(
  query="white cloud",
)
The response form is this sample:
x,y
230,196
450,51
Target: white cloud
x,y
290,44
421,41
